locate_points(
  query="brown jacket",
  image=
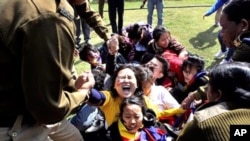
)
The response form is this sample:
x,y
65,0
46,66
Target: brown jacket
x,y
36,57
93,19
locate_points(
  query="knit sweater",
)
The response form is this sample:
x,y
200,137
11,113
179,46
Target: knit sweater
x,y
213,123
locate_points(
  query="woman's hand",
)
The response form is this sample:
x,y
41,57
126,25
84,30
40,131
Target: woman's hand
x,y
113,45
185,104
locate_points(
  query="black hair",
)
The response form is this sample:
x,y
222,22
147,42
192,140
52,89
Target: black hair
x,y
135,33
233,80
194,60
165,64
144,74
146,57
149,116
137,100
238,10
84,51
158,31
99,76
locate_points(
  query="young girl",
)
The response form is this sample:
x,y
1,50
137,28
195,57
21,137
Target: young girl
x,y
135,122
194,77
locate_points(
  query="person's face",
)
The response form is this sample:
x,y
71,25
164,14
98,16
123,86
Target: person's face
x,y
189,73
125,83
230,30
132,117
164,40
156,67
93,58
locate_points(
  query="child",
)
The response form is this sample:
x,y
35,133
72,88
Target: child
x,y
194,77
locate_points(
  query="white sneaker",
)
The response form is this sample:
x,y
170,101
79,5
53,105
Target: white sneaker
x,y
220,54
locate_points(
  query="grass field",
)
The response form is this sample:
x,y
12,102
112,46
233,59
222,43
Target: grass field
x,y
184,18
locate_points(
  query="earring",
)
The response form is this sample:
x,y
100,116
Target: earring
x,y
237,42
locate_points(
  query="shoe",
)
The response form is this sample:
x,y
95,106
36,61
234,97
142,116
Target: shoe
x,y
216,24
220,54
98,123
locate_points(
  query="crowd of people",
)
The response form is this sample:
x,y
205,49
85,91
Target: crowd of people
x,y
143,84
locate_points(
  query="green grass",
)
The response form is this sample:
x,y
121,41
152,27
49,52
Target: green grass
x,y
182,17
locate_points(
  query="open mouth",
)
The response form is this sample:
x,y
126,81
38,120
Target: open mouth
x,y
132,127
126,89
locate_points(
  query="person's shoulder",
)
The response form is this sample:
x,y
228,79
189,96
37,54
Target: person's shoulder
x,y
210,110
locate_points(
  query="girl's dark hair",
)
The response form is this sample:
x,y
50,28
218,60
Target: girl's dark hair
x,y
165,68
194,60
135,33
84,51
99,76
137,100
238,10
158,31
149,116
233,80
122,67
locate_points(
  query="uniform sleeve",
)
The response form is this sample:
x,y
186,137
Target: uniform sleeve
x,y
47,60
93,19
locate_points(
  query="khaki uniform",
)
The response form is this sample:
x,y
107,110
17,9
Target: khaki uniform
x,y
93,19
36,57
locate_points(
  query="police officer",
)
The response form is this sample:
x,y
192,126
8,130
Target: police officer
x,y
37,89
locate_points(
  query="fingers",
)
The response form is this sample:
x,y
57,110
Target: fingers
x,y
186,103
113,45
85,81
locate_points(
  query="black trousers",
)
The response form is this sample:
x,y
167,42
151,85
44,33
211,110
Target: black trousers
x,y
116,6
